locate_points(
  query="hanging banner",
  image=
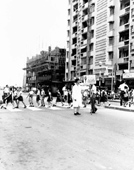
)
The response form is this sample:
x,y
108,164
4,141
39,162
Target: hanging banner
x,y
89,79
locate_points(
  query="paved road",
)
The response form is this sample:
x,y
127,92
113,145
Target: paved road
x,y
55,139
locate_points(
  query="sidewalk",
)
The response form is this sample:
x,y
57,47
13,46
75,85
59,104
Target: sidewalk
x,y
127,108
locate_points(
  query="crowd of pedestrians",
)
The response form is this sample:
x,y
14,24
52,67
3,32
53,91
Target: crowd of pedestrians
x,y
74,97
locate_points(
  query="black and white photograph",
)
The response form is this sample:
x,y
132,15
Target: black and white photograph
x,y
66,84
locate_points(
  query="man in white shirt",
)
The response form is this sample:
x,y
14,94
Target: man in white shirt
x,y
122,89
77,97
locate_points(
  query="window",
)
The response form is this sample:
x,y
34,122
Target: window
x,y
83,61
91,60
111,40
111,26
110,56
91,47
111,10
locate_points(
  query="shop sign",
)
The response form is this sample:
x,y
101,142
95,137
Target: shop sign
x,y
89,79
128,75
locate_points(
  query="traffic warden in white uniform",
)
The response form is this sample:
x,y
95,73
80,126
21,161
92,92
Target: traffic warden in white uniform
x,y
77,97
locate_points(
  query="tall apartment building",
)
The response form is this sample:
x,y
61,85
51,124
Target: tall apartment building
x,y
100,37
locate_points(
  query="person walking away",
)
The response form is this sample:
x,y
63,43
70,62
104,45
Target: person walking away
x,y
9,98
85,97
38,101
50,98
15,95
77,97
93,99
30,98
125,96
65,93
69,98
59,97
122,91
20,98
42,97
5,93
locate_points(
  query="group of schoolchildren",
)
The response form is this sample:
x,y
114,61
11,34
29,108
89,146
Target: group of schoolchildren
x,y
12,95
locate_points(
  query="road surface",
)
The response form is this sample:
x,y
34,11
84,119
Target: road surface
x,y
55,139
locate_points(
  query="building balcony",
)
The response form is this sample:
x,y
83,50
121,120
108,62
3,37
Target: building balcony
x,y
85,5
84,66
29,75
111,3
123,60
92,26
93,1
68,27
31,81
84,42
85,18
84,30
75,12
92,14
123,43
124,11
69,6
111,33
75,2
68,38
92,40
66,70
68,17
124,27
111,18
44,78
75,24
74,46
90,66
74,35
67,59
84,54
73,68
110,48
92,53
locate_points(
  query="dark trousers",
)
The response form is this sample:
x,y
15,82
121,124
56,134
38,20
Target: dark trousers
x,y
92,101
121,97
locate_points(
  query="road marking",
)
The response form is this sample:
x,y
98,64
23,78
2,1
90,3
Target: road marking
x,y
33,108
10,108
55,108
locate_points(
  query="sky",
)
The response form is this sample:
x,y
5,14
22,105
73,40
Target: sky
x,y
26,28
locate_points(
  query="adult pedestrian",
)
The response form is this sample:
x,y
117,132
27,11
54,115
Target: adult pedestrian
x,y
93,99
122,88
42,97
20,98
30,97
38,98
85,97
77,97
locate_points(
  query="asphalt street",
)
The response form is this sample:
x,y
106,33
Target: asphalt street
x,y
55,139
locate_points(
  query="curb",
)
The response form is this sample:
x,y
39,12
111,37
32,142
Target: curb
x,y
118,108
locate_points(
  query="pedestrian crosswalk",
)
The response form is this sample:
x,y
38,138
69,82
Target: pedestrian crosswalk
x,y
21,109
59,107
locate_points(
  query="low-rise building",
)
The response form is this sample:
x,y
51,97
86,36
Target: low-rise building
x,y
46,68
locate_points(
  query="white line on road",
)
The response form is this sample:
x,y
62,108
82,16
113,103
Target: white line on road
x,y
33,108
10,108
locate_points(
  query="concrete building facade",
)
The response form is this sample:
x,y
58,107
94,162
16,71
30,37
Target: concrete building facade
x,y
100,38
46,68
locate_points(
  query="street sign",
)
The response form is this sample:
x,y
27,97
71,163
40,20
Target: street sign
x,y
89,79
